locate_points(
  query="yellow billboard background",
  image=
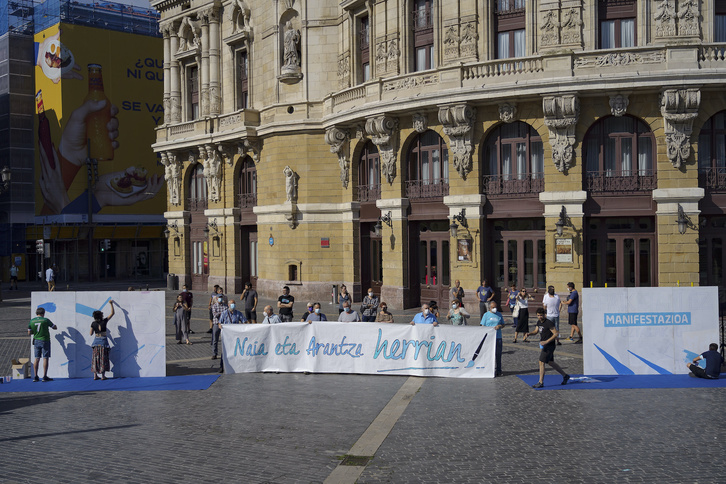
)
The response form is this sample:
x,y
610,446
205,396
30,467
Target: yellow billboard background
x,y
132,67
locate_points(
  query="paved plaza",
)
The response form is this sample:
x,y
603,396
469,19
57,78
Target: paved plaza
x,y
285,428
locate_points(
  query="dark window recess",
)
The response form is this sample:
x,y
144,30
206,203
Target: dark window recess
x,y
364,45
423,35
428,167
509,28
369,174
617,23
193,87
248,184
513,161
242,80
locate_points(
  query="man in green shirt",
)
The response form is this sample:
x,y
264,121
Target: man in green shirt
x,y
39,327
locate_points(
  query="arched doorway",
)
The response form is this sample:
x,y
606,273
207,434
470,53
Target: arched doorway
x,y
369,190
246,202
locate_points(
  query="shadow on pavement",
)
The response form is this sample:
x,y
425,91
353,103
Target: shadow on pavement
x,y
176,370
8,404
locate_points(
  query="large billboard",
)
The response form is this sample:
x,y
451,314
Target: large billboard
x,y
99,96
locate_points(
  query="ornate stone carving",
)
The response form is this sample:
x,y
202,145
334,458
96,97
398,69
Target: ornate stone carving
x,y
451,41
291,179
211,14
688,18
549,28
508,112
167,109
190,34
381,55
393,50
383,132
173,176
175,109
679,108
560,117
420,122
618,104
226,151
291,51
665,18
620,59
214,100
458,121
338,141
411,82
250,147
571,32
469,36
239,15
204,101
166,29
212,171
344,71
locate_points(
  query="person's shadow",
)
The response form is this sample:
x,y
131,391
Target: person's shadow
x,y
78,353
124,349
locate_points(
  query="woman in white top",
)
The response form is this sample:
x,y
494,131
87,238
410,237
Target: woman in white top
x,y
523,317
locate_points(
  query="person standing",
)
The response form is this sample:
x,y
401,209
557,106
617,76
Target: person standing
x,y
457,292
229,316
39,328
511,302
383,315
551,303
424,317
348,315
50,278
270,316
309,311
713,363
573,307
523,317
316,315
369,308
180,320
212,299
285,304
218,307
548,334
188,299
99,361
485,295
13,277
457,314
249,296
343,297
494,319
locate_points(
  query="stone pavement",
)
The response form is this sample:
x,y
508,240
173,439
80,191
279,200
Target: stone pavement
x,y
289,428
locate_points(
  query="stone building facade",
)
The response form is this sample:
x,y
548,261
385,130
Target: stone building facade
x,y
313,143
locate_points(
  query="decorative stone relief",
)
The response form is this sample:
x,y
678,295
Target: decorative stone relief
x,y
226,151
250,147
344,71
173,176
451,41
212,171
560,117
386,55
411,82
290,72
458,121
174,109
549,28
420,122
618,104
392,51
239,15
665,18
688,18
211,14
383,132
338,141
508,112
215,100
617,59
291,179
571,31
679,108
190,34
469,36
381,55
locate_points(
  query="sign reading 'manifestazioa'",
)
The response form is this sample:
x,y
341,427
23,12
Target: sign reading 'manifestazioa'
x,y
621,320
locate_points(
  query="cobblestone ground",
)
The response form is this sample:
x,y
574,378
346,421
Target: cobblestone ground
x,y
284,428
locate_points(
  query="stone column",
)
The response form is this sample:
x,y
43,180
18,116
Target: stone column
x,y
214,52
204,67
174,78
560,273
467,271
395,290
165,32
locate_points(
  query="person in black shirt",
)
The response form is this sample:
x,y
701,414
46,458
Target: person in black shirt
x,y
713,363
284,304
548,336
99,362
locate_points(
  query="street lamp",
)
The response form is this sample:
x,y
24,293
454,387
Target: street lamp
x,y
213,225
563,221
461,218
167,232
683,221
386,219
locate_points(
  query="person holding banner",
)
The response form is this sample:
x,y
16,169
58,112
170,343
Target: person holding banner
x,y
348,315
425,317
383,315
270,316
316,315
493,319
548,337
229,316
457,314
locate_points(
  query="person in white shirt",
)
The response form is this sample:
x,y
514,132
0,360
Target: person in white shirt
x,y
50,278
551,303
348,315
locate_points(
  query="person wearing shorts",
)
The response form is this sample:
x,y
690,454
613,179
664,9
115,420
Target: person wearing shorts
x,y
39,327
573,307
249,296
548,337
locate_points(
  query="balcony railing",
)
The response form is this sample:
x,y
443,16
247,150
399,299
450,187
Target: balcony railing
x,y
713,179
608,181
369,193
247,200
497,185
427,189
196,204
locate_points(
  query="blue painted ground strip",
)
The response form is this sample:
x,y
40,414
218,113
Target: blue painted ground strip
x,y
148,384
614,382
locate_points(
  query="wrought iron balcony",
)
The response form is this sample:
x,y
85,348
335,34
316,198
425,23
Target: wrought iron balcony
x,y
369,193
611,182
712,179
197,204
503,185
427,189
246,200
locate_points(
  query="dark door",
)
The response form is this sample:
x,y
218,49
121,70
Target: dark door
x,y
433,267
371,267
248,254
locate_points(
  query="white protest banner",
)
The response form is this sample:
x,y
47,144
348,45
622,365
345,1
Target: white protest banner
x,y
136,332
367,348
647,330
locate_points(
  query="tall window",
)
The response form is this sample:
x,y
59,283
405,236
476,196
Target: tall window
x,y
369,174
617,23
619,154
247,183
719,21
509,24
193,92
423,35
428,167
712,152
242,79
364,36
197,189
513,160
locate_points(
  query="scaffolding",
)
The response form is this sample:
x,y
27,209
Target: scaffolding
x,y
16,16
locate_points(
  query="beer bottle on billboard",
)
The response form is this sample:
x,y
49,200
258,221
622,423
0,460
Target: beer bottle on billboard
x,y
44,130
96,123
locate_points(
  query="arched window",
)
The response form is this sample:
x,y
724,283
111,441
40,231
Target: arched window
x,y
619,155
197,189
369,174
513,160
712,152
428,167
247,183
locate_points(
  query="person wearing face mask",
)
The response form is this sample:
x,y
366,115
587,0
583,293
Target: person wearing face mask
x,y
551,303
457,314
230,315
383,315
494,319
369,308
348,315
188,299
218,307
343,297
310,310
270,316
316,315
425,317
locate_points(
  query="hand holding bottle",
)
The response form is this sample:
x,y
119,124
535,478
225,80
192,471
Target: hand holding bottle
x,y
73,142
